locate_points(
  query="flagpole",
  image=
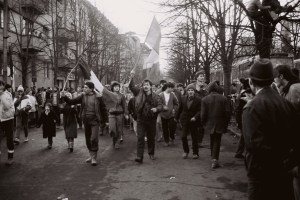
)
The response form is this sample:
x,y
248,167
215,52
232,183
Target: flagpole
x,y
71,73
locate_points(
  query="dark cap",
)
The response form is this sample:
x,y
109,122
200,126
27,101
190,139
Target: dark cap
x,y
90,85
262,70
191,86
113,84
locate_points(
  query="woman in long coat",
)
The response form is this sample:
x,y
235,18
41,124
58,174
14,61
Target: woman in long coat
x,y
70,123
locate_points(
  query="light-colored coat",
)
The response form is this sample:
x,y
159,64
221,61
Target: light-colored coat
x,y
7,109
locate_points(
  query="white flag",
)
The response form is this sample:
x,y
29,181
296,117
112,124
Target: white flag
x,y
152,59
154,35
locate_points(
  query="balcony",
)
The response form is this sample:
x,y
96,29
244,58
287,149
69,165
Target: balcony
x,y
33,44
64,62
64,34
36,7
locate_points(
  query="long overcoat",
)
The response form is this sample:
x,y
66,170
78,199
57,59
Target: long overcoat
x,y
48,122
70,123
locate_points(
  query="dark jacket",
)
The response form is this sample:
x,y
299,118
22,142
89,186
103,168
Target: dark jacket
x,y
100,108
172,105
185,113
70,123
140,98
269,132
48,122
215,113
131,108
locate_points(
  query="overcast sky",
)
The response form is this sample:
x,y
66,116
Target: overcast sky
x,y
132,15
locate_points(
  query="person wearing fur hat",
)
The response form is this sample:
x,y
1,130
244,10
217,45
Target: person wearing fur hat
x,y
22,105
189,117
48,120
70,124
93,113
7,111
116,115
215,115
270,133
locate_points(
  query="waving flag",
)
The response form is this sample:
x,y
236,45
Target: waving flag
x,y
154,36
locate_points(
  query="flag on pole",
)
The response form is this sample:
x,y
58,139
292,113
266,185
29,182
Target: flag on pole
x,y
154,36
151,65
110,98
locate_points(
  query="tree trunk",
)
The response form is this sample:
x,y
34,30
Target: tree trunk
x,y
227,79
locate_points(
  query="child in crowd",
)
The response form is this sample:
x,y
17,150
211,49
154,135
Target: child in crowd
x,y
48,120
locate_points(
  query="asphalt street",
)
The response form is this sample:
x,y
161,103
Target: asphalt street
x,y
42,174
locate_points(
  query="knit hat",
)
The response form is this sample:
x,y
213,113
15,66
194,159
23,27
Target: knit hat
x,y
20,88
262,70
90,85
191,86
113,84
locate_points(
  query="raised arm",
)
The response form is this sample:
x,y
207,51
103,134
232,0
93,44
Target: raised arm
x,y
135,90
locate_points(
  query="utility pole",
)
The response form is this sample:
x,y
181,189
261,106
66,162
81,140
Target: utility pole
x,y
5,37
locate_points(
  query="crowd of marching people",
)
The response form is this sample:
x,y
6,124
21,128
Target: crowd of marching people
x,y
266,107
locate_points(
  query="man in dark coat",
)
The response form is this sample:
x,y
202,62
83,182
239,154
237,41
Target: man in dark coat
x,y
269,135
93,113
189,117
147,106
215,114
200,92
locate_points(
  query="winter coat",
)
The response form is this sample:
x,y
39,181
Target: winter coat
x,y
22,105
172,105
70,123
185,113
131,108
120,106
269,131
140,102
7,109
48,122
100,108
215,113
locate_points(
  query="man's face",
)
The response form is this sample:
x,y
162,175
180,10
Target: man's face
x,y
146,86
191,92
181,90
279,80
86,89
201,78
116,88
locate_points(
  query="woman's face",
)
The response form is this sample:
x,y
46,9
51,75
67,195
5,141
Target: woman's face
x,y
47,108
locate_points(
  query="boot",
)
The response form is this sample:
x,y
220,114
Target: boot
x,y
94,158
10,159
71,146
89,160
